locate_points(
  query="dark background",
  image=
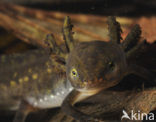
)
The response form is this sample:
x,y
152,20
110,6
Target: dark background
x,y
102,7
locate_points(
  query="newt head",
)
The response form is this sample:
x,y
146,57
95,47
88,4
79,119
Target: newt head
x,y
94,66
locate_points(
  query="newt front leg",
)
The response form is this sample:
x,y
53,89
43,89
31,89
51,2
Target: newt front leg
x,y
68,104
68,107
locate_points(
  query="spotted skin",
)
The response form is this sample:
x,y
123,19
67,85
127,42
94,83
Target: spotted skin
x,y
31,76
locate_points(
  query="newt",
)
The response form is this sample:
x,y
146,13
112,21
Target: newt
x,y
48,78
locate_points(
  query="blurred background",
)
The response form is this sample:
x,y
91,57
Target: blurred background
x,y
31,20
24,25
100,7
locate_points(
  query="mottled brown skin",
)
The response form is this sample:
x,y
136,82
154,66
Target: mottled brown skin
x,y
100,65
97,65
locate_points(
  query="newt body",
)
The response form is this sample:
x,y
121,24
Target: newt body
x,y
33,77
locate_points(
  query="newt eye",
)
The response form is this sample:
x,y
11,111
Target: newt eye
x,y
111,65
74,72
